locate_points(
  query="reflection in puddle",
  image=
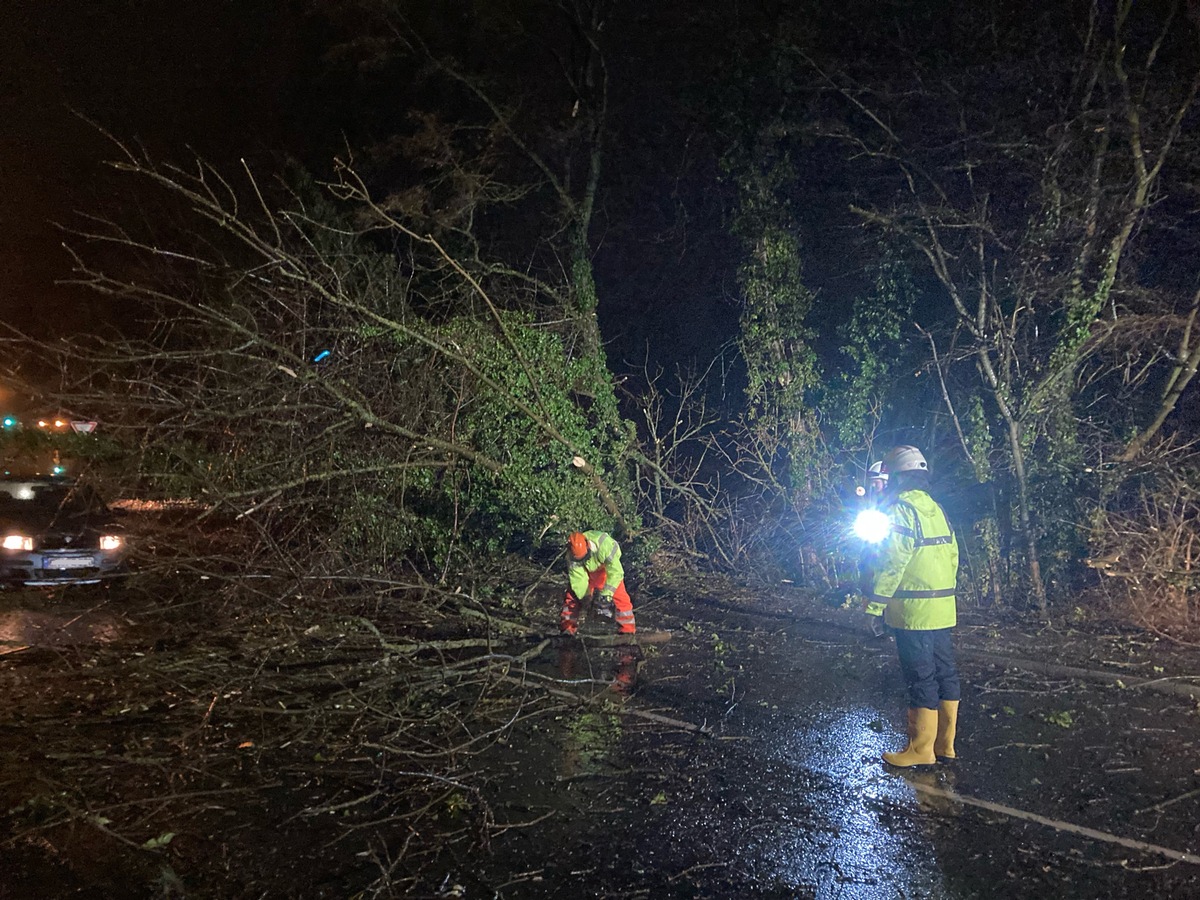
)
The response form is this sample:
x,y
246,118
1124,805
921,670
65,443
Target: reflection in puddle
x,y
620,662
591,739
29,628
870,854
592,736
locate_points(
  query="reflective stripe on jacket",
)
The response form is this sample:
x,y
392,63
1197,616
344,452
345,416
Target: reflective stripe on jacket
x,y
603,553
918,569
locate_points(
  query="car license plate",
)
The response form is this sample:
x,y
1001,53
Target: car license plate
x,y
68,562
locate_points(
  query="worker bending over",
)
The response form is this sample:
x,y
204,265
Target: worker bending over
x,y
596,566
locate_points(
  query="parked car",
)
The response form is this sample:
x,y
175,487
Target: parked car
x,y
56,531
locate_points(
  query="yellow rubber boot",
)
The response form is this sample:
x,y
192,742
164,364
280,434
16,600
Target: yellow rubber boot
x,y
943,745
923,724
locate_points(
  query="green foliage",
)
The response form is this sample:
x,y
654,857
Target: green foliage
x,y
1063,718
537,484
873,346
159,842
639,552
1055,465
429,427
720,650
775,339
494,409
980,441
592,737
585,285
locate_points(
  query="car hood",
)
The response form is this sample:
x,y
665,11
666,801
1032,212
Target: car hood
x,y
36,522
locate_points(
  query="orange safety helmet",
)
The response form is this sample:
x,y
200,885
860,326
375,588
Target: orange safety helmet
x,y
578,545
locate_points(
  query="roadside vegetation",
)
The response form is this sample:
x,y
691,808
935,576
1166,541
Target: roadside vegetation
x,y
385,396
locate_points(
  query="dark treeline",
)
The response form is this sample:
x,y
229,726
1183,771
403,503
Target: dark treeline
x,y
683,271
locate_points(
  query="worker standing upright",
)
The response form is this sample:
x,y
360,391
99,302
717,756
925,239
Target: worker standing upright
x,y
916,576
596,566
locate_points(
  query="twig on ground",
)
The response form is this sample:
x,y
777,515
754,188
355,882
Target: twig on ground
x,y
1165,803
624,711
1056,824
696,868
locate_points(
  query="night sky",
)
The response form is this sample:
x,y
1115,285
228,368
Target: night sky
x,y
252,79
217,77
231,80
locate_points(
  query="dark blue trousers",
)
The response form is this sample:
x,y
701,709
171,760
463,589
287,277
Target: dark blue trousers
x,y
927,661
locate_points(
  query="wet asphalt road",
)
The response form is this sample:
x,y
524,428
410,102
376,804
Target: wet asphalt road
x,y
788,797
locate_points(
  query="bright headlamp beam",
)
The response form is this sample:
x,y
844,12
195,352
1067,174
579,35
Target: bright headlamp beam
x,y
872,526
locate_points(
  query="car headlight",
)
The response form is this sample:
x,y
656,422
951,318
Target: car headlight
x,y
872,526
111,542
17,542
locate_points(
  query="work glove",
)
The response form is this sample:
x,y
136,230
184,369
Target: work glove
x,y
604,605
873,606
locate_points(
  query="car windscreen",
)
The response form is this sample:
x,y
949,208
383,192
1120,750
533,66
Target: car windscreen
x,y
18,498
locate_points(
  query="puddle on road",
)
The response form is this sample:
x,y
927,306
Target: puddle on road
x,y
870,846
28,628
789,798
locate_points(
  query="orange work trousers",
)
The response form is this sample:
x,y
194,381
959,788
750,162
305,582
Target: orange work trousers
x,y
569,618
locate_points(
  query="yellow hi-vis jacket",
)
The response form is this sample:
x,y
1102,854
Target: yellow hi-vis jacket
x,y
918,568
603,553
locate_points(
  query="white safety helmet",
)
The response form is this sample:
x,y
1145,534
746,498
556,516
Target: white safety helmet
x,y
904,458
876,471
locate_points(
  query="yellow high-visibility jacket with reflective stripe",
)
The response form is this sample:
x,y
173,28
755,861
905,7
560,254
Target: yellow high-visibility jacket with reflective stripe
x,y
917,572
603,553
